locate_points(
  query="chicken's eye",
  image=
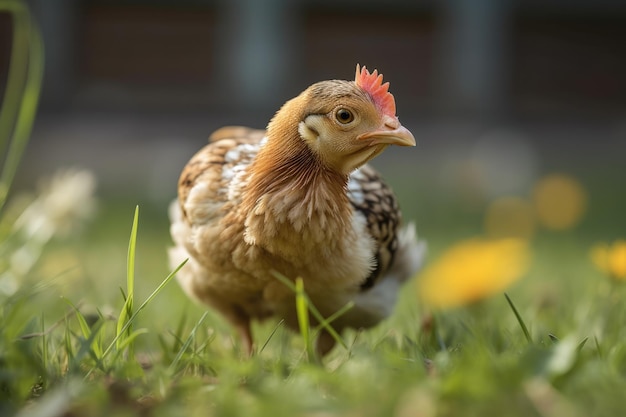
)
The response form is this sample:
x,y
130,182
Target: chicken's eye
x,y
344,116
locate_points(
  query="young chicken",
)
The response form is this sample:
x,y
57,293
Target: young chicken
x,y
298,199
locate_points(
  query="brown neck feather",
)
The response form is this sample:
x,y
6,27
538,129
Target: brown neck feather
x,y
290,179
293,166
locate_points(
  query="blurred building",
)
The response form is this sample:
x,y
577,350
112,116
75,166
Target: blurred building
x,y
134,87
451,57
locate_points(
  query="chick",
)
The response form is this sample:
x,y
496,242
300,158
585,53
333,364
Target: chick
x,y
298,199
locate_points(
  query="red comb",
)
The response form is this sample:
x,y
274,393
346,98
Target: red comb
x,y
373,84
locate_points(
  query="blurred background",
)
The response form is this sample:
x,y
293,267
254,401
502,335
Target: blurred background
x,y
499,94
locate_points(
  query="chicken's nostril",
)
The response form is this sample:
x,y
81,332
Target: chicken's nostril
x,y
392,125
391,122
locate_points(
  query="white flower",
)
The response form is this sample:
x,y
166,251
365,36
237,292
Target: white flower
x,y
62,206
65,201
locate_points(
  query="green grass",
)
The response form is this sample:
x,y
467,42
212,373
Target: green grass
x,y
555,347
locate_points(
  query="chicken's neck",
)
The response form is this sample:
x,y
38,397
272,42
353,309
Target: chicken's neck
x,y
292,201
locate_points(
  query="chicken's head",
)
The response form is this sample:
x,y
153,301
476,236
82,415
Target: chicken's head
x,y
346,123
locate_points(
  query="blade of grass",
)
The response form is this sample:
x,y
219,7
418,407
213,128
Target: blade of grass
x,y
327,321
178,342
127,309
25,33
136,313
122,320
437,332
178,333
67,339
302,311
126,341
280,323
132,246
187,342
51,328
581,345
529,339
86,349
85,329
17,71
44,351
598,348
323,322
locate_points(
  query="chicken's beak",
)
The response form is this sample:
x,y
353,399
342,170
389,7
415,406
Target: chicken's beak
x,y
390,133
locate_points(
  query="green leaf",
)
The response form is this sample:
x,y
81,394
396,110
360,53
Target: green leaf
x,y
127,309
85,329
122,320
130,265
529,338
302,311
280,323
85,348
130,338
21,96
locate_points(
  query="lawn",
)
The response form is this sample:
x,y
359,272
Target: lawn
x,y
66,348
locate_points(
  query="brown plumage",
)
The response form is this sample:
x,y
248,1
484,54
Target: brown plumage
x,y
298,199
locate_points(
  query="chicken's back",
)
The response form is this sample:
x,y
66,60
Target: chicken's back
x,y
230,150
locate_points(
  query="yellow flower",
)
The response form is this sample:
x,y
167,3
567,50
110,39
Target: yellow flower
x,y
560,201
510,217
472,270
611,259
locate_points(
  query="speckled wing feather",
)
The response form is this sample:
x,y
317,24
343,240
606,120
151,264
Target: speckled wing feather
x,y
210,163
373,198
